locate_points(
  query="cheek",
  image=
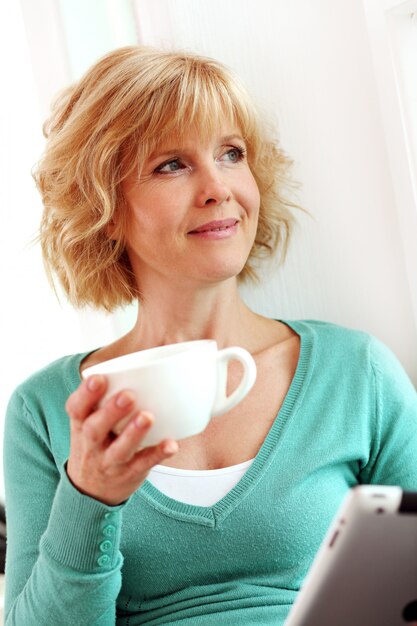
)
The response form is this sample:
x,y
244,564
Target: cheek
x,y
253,198
142,215
251,193
257,201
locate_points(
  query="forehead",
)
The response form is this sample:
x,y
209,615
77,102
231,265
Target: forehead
x,y
194,137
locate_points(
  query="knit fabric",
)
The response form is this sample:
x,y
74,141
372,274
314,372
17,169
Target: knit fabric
x,y
349,417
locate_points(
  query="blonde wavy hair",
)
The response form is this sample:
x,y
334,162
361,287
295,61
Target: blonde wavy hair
x,y
103,128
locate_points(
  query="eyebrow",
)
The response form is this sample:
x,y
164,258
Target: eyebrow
x,y
228,138
158,153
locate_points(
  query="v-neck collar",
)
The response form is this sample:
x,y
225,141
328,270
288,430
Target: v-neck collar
x,y
213,515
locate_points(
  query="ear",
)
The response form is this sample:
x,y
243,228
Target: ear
x,y
114,227
111,230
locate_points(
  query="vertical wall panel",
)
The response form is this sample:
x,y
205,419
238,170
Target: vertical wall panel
x,y
309,66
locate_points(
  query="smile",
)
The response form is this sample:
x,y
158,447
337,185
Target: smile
x,y
216,226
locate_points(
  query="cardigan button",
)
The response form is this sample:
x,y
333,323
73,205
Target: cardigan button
x,y
103,560
109,530
106,545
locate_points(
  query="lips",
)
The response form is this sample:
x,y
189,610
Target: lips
x,y
216,225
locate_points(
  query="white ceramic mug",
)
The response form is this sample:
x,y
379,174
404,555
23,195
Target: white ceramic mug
x,y
183,385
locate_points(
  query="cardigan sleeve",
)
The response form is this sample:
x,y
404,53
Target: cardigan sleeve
x,y
63,561
393,458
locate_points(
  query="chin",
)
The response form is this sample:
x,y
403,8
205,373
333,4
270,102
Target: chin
x,y
221,272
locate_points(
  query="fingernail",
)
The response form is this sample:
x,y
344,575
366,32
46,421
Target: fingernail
x,y
143,420
94,383
124,399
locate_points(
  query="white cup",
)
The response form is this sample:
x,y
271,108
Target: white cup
x,y
183,385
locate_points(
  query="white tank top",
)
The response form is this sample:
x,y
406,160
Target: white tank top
x,y
198,487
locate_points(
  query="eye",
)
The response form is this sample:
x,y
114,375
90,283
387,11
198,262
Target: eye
x,y
174,165
234,155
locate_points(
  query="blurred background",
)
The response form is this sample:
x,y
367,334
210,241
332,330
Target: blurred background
x,y
338,80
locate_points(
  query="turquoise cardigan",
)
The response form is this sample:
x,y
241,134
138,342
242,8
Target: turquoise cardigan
x,y
349,417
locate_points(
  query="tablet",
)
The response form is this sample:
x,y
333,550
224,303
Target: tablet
x,y
365,572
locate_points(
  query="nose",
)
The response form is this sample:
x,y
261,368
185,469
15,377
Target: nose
x,y
212,188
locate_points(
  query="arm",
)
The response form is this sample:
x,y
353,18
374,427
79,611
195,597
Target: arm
x,y
393,459
53,536
63,564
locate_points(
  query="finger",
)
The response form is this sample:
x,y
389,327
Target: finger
x,y
99,424
126,445
147,458
83,400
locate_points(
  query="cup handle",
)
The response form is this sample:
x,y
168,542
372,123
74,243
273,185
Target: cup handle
x,y
224,403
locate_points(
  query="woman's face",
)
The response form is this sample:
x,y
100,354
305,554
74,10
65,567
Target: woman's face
x,y
193,214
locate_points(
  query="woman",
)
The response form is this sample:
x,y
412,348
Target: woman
x,y
161,184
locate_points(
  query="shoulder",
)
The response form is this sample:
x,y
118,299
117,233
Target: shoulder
x,y
328,336
64,369
349,348
53,381
36,413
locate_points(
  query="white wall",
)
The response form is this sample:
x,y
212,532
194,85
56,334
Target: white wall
x,y
392,26
32,324
311,67
36,62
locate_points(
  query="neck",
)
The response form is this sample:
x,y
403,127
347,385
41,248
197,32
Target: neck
x,y
184,314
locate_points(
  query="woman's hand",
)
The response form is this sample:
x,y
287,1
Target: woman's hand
x,y
103,466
